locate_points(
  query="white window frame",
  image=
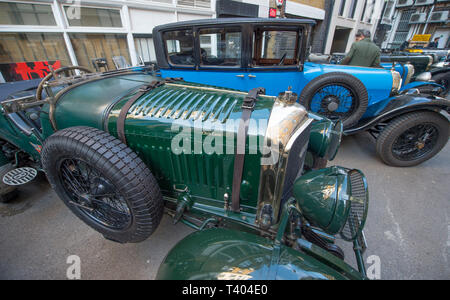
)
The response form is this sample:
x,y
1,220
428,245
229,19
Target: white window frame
x,y
24,28
62,24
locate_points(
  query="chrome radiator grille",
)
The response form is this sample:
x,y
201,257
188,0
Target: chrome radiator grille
x,y
295,163
359,203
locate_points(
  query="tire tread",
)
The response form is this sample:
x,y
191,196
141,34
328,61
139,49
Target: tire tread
x,y
126,169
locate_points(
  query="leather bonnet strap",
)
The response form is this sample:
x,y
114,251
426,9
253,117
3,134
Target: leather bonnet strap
x,y
247,109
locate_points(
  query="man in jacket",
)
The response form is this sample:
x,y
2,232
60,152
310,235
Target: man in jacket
x,y
363,52
434,43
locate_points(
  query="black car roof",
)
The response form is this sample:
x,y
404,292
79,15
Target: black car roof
x,y
223,21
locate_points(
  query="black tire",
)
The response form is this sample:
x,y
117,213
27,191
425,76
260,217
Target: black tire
x,y
7,192
400,126
112,164
349,82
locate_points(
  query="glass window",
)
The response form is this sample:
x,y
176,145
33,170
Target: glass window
x,y
95,17
195,3
31,47
369,11
341,8
220,47
145,49
26,14
180,47
363,11
25,56
275,48
386,19
351,13
112,47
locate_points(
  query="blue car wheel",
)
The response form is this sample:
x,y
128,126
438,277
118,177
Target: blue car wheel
x,y
336,96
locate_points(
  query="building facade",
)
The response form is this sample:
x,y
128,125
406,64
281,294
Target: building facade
x,y
347,16
407,18
117,32
78,32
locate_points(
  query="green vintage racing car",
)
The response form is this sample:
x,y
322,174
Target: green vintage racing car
x,y
121,148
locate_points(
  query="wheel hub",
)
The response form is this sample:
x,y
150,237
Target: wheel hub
x,y
420,145
331,102
85,199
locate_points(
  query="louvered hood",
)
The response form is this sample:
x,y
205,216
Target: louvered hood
x,y
199,113
186,102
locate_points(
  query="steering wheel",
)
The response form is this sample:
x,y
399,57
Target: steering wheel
x,y
63,70
282,59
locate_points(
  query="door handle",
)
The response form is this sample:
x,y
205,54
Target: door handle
x,y
240,76
251,76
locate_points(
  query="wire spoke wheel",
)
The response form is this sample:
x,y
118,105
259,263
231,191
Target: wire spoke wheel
x,y
415,142
94,195
104,183
334,101
336,96
412,138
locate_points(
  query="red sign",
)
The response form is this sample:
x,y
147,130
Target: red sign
x,y
27,70
272,12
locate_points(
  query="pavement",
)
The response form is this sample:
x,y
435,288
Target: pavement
x,y
408,227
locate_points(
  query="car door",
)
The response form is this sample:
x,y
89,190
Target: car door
x,y
275,59
220,56
207,55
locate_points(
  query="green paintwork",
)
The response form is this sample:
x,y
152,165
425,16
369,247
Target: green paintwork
x,y
149,133
13,135
325,137
323,196
220,253
198,181
420,62
86,104
3,159
208,177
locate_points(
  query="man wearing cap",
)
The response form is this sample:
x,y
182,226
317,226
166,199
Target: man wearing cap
x,y
363,52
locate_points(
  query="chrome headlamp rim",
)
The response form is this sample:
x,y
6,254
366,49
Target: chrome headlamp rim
x,y
411,72
396,81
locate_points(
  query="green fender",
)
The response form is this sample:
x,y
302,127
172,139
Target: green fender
x,y
220,253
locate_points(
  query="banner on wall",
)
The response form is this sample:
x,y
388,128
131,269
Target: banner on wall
x,y
27,70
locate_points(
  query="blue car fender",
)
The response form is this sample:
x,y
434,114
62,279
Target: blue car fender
x,y
378,81
417,84
399,105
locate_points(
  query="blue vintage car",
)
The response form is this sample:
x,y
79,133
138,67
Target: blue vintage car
x,y
245,53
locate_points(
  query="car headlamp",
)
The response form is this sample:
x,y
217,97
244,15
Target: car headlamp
x,y
334,199
410,69
325,138
396,81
